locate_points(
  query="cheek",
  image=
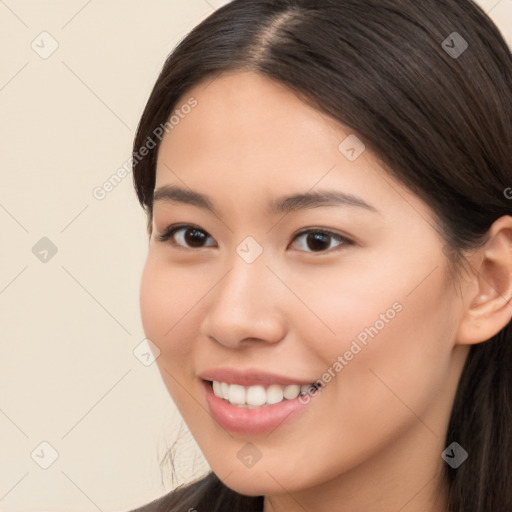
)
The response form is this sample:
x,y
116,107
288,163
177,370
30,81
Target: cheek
x,y
376,335
167,295
154,301
399,344
167,298
338,308
388,296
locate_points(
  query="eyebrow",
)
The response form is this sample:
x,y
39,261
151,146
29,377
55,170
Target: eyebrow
x,y
284,204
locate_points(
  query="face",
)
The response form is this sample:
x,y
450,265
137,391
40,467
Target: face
x,y
343,285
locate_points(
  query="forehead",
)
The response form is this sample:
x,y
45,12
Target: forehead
x,y
244,120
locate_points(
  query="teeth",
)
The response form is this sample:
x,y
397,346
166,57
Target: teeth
x,y
236,394
304,389
224,390
217,388
251,397
275,394
292,391
256,395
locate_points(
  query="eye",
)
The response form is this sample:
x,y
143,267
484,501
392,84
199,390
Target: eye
x,y
320,240
185,235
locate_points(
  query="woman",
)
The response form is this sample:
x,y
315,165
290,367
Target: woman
x,y
329,268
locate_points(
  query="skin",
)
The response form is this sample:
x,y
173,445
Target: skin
x,y
372,438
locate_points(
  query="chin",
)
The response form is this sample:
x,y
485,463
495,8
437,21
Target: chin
x,y
252,484
260,481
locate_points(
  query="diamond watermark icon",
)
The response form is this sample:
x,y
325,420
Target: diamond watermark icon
x,y
44,250
146,352
44,45
454,45
351,148
44,455
249,455
249,249
454,455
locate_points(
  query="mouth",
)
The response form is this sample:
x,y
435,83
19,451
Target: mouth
x,y
252,397
256,409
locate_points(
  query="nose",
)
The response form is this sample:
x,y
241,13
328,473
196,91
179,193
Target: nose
x,y
246,307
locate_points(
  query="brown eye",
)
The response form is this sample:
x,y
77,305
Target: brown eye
x,y
320,241
186,236
194,237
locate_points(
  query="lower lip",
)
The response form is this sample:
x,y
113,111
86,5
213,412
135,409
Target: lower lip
x,y
251,421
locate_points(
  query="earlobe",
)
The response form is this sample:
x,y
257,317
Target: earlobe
x,y
488,302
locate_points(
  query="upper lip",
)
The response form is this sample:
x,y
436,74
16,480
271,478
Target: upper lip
x,y
248,377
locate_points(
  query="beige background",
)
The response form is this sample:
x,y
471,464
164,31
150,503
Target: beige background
x,y
70,324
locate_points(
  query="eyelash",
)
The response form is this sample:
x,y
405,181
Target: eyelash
x,y
171,230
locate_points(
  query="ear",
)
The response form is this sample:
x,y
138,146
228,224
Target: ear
x,y
487,298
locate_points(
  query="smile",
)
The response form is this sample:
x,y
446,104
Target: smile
x,y
256,409
252,397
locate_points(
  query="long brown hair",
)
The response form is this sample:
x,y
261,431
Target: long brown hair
x,y
427,85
